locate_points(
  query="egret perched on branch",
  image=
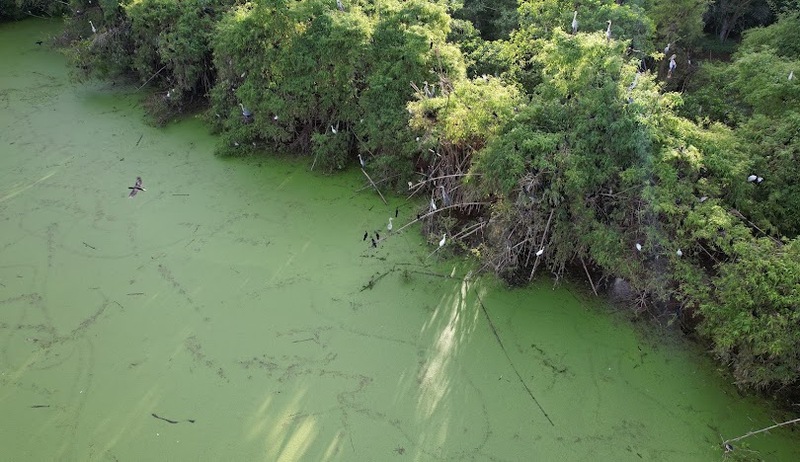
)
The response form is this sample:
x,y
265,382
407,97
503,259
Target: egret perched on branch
x,y
389,226
574,22
246,114
445,197
429,92
443,241
433,205
679,253
94,29
333,130
638,247
672,66
791,75
540,252
666,49
608,31
363,164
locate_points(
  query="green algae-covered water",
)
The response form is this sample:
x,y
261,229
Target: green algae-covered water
x,y
232,312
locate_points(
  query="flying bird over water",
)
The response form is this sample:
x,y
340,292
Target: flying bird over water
x,y
136,187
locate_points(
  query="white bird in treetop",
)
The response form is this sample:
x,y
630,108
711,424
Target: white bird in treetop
x,y
363,164
390,226
638,247
94,29
791,75
339,5
672,66
334,130
608,31
666,49
679,253
433,205
443,241
574,22
540,252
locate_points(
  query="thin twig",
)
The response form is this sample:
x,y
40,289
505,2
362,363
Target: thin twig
x,y
151,77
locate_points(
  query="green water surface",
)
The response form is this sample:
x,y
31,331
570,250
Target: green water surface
x,y
237,299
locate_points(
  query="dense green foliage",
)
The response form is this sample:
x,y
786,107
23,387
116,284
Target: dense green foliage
x,y
543,149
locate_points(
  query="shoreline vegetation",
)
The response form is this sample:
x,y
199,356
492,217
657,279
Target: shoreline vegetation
x,y
612,144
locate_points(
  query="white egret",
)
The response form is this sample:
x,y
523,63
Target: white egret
x,y
245,112
445,197
364,164
428,90
94,29
666,50
390,226
635,82
638,247
608,31
752,178
679,253
791,75
339,5
703,199
672,66
574,22
433,205
540,252
275,117
333,130
759,179
443,241
410,184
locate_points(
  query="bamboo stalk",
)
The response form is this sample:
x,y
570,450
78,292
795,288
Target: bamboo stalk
x,y
374,186
756,432
544,238
588,276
